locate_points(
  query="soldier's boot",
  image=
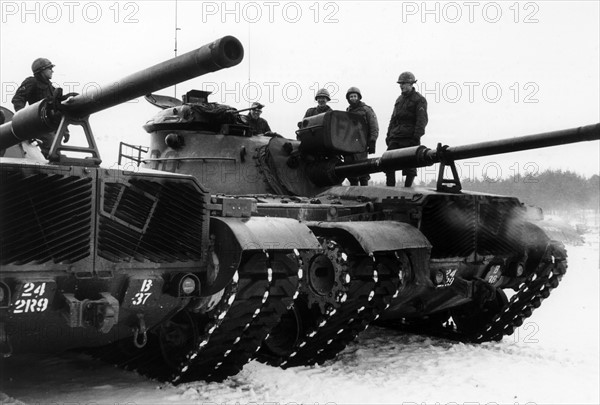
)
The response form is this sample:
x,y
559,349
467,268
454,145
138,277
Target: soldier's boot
x,y
409,180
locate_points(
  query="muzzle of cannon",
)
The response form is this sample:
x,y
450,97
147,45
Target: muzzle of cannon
x,y
422,156
47,115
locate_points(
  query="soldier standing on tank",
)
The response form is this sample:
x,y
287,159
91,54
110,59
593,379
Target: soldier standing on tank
x,y
357,106
407,124
257,124
36,88
322,98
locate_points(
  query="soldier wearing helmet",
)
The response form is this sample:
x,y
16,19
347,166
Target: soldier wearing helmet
x,y
257,124
322,97
407,124
36,88
354,97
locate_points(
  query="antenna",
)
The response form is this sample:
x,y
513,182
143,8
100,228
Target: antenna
x,y
249,56
175,50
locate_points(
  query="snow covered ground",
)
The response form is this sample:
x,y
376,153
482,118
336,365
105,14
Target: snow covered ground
x,y
553,358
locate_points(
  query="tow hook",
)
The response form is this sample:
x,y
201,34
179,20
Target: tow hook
x,y
101,314
140,328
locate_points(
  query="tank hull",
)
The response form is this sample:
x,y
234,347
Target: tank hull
x,y
83,260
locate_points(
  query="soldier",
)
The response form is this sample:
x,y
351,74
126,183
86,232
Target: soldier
x,y
407,124
322,98
356,106
36,88
257,124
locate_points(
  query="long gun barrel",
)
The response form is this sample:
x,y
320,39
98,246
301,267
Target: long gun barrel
x,y
421,156
41,117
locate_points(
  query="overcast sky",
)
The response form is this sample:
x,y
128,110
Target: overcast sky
x,y
488,69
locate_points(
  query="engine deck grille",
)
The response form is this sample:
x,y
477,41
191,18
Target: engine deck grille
x,y
501,226
162,220
460,225
74,216
44,217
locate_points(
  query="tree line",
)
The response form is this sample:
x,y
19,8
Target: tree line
x,y
554,190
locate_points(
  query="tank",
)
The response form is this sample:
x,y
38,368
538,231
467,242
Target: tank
x,y
440,261
144,268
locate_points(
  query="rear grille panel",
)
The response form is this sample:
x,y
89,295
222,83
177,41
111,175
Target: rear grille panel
x,y
501,226
450,225
158,220
44,217
460,225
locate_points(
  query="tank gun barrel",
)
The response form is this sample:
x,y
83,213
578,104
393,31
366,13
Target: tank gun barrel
x,y
421,156
40,117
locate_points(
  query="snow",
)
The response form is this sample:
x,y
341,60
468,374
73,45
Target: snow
x,y
552,358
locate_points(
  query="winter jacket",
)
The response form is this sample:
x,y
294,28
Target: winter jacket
x,y
317,110
258,126
409,118
32,90
371,119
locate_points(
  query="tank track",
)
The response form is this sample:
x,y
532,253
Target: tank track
x,y
227,336
240,323
536,287
371,284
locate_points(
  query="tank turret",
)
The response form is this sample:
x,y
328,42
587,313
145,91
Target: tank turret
x,y
435,261
213,143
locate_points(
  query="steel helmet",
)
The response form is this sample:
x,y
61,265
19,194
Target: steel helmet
x,y
257,106
40,64
323,93
354,90
406,77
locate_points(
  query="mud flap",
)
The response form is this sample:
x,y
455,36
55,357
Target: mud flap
x,y
234,236
380,236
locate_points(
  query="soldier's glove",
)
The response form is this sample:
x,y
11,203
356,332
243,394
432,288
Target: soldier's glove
x,y
371,147
67,136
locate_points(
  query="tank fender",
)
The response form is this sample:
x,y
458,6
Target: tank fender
x,y
235,236
378,236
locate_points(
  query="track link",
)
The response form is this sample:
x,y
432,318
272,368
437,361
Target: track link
x,y
536,288
372,282
234,334
501,320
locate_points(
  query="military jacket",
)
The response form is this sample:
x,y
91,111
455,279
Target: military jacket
x,y
317,110
258,126
370,118
32,90
409,118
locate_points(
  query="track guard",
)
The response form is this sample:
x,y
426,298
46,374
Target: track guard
x,y
235,236
378,236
